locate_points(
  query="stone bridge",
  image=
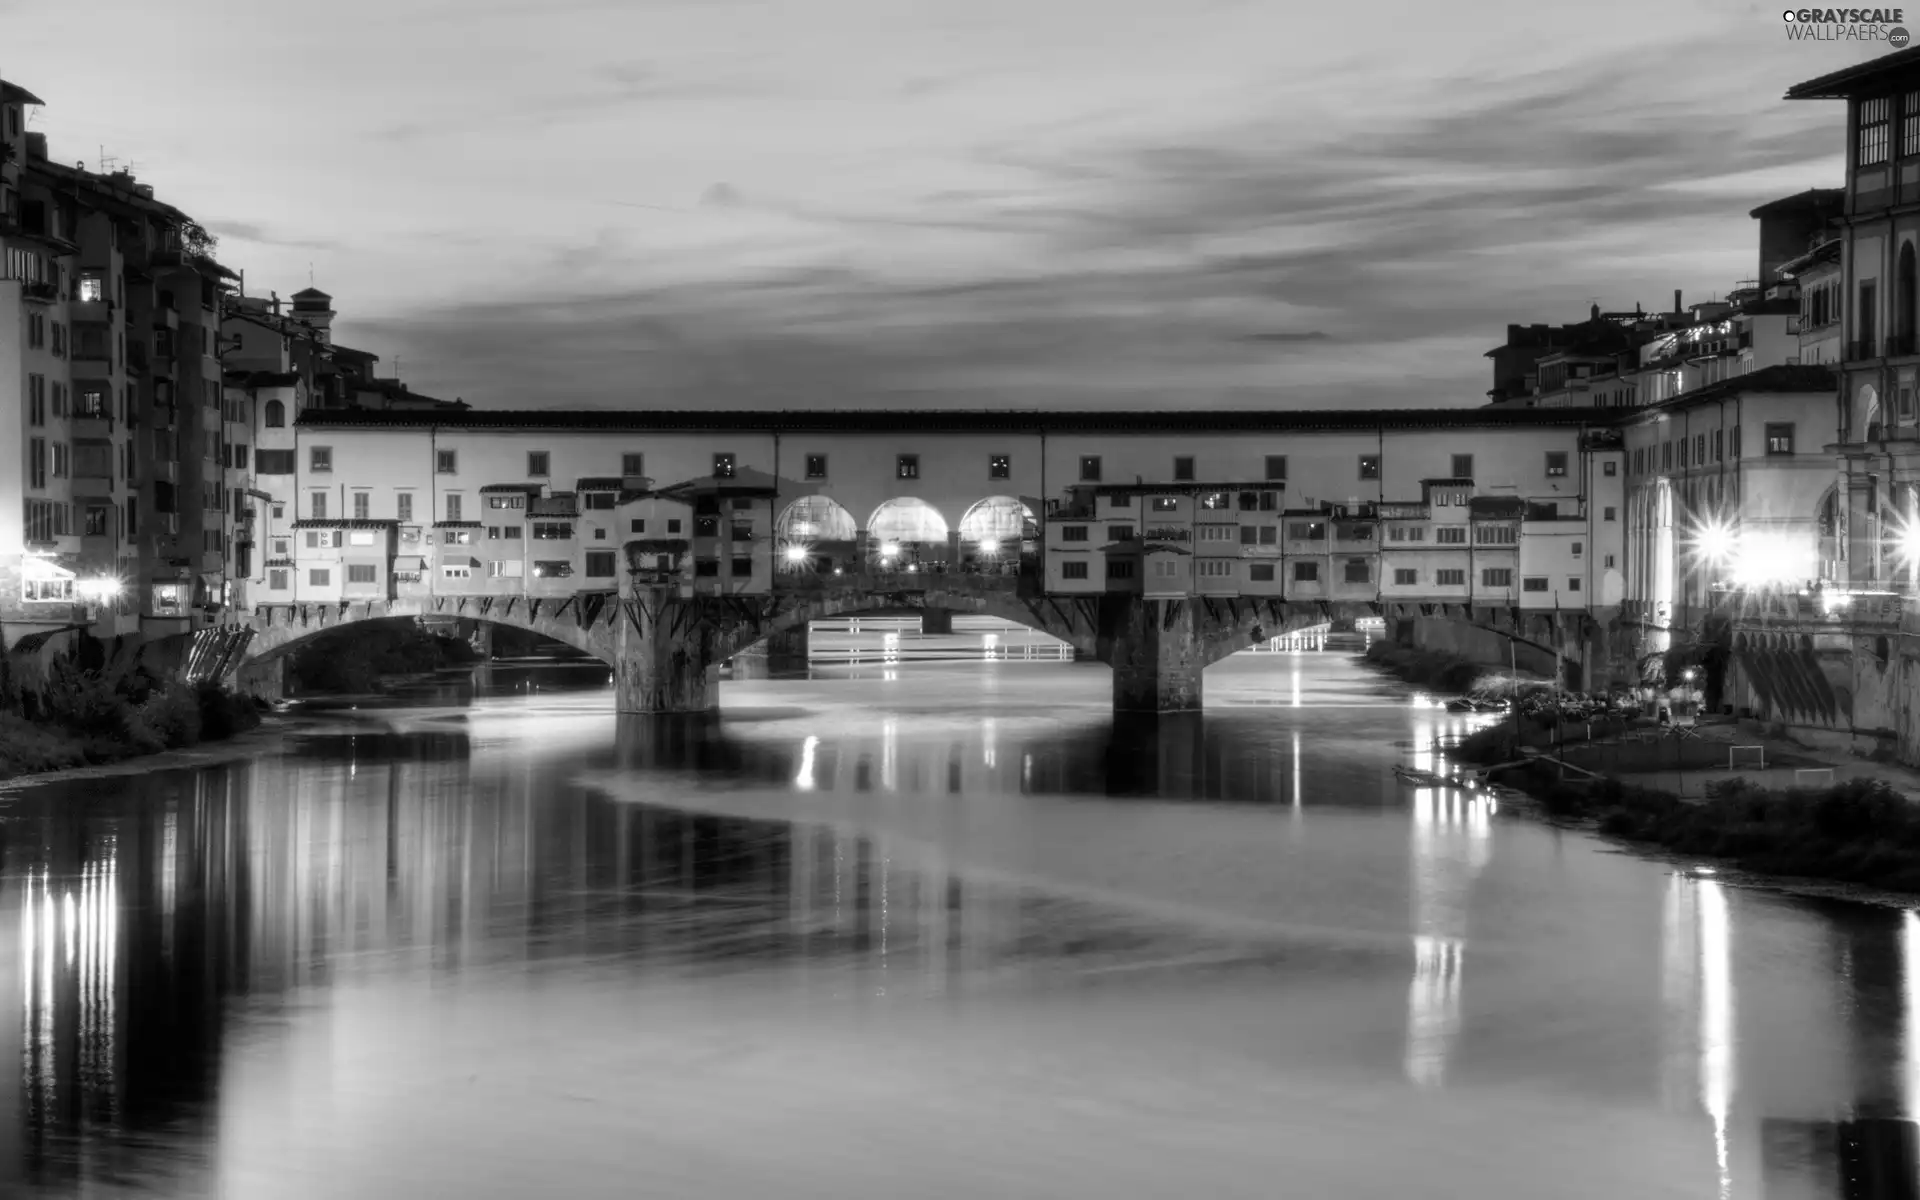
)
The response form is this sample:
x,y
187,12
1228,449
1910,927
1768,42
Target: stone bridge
x,y
666,647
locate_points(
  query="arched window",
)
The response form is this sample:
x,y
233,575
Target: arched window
x,y
276,414
997,524
812,519
906,529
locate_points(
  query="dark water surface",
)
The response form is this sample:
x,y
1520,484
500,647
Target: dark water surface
x,y
941,929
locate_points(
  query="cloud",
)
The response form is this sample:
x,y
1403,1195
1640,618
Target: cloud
x,y
1257,261
261,235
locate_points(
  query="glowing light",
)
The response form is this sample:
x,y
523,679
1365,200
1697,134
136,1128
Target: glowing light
x,y
1715,542
890,550
105,588
990,546
796,554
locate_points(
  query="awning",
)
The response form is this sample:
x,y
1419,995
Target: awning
x,y
40,567
410,562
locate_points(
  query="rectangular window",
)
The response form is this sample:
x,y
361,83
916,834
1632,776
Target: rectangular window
x,y
1164,504
317,509
1073,533
723,466
1306,572
600,564
1307,531
1216,568
1276,467
277,579
706,568
446,462
274,462
673,524
740,531
550,531
1719,445
1864,320
1910,125
538,462
1369,466
1089,468
362,573
1462,466
638,525
1120,568
1579,548
403,504
1450,535
1610,468
1496,577
1534,583
461,571
1496,535
1779,438
1249,535
816,466
1260,572
1573,583
362,506
1556,463
1218,533
1074,570
1699,448
999,466
1358,570
1405,576
1609,514
906,466
633,464
1119,533
506,501
37,463
742,567
1876,115
320,459
453,507
320,577
509,568
36,400
1609,562
1183,468
1450,577
552,569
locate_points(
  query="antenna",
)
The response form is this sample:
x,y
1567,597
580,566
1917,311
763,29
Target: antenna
x,y
105,158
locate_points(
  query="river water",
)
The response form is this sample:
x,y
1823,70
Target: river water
x,y
926,930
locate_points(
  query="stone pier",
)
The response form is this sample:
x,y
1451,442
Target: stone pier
x,y
1157,655
936,620
663,658
784,652
263,678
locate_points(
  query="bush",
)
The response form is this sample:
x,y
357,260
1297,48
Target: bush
x,y
173,715
1436,669
224,714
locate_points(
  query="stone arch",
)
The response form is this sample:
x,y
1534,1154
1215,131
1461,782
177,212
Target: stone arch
x,y
1253,628
907,528
951,594
995,524
275,416
577,622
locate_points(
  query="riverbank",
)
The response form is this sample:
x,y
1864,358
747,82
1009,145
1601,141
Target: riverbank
x,y
1435,669
1799,815
84,722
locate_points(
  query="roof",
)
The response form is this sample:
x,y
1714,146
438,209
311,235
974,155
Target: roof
x,y
13,93
1785,306
311,293
949,421
318,523
1825,254
1811,200
1780,379
1858,79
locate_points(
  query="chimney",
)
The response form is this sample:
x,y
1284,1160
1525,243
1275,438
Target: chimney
x,y
1676,301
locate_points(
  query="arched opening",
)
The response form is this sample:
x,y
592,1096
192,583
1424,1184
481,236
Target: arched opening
x,y
276,416
813,533
907,533
1867,410
1904,303
996,533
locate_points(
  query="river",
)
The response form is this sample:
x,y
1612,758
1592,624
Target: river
x,y
920,930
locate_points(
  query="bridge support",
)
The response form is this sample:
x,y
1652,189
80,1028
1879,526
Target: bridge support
x,y
776,654
936,620
663,656
263,678
1157,656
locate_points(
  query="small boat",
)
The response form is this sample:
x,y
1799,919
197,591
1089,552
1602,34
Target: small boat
x,y
1415,778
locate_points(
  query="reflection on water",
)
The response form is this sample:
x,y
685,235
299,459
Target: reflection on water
x,y
857,931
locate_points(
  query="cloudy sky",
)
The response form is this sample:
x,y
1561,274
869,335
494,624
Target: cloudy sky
x,y
973,203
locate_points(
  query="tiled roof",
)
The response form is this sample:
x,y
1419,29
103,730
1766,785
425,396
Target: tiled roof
x,y
1813,199
1859,78
1795,378
13,93
312,523
949,421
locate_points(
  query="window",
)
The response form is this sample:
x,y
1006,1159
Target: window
x,y
1215,500
999,466
1609,562
706,568
1119,533
706,527
36,400
906,466
276,415
1219,533
504,568
362,506
742,567
277,579
1609,514
446,462
403,504
1074,570
1306,572
1910,125
1496,577
239,456
1089,468
1719,445
1610,468
816,466
1496,535
1534,583
553,569
1249,535
1183,467
1121,568
673,524
1073,533
538,462
1307,531
638,525
1369,466
1407,533
1450,577
1215,568
740,531
1276,466
457,537
318,508
1405,576
600,564
37,462
320,577
515,501
633,464
1573,583
1875,118
362,573
274,462
1450,535
322,539
599,500
320,459
552,531
453,506
1462,466
1779,438
456,571
1556,463
1165,504
723,466
1358,570
1699,448
1260,572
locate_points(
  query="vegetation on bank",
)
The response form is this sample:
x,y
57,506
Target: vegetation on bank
x,y
355,661
82,718
1437,669
1860,831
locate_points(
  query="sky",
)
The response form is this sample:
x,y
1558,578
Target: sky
x,y
1151,204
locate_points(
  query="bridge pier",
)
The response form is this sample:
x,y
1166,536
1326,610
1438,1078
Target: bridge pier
x,y
263,678
1157,657
777,653
936,620
663,661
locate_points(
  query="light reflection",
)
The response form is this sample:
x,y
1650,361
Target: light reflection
x,y
1296,683
1716,1019
1452,843
1910,991
803,779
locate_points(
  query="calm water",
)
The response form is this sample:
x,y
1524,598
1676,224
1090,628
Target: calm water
x,y
935,930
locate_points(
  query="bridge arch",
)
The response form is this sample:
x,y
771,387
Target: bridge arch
x,y
997,524
814,518
905,528
582,622
952,594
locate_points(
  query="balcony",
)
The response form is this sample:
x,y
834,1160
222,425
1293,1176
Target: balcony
x,y
91,312
93,482
40,293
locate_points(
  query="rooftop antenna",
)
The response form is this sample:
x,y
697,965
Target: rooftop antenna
x,y
106,158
